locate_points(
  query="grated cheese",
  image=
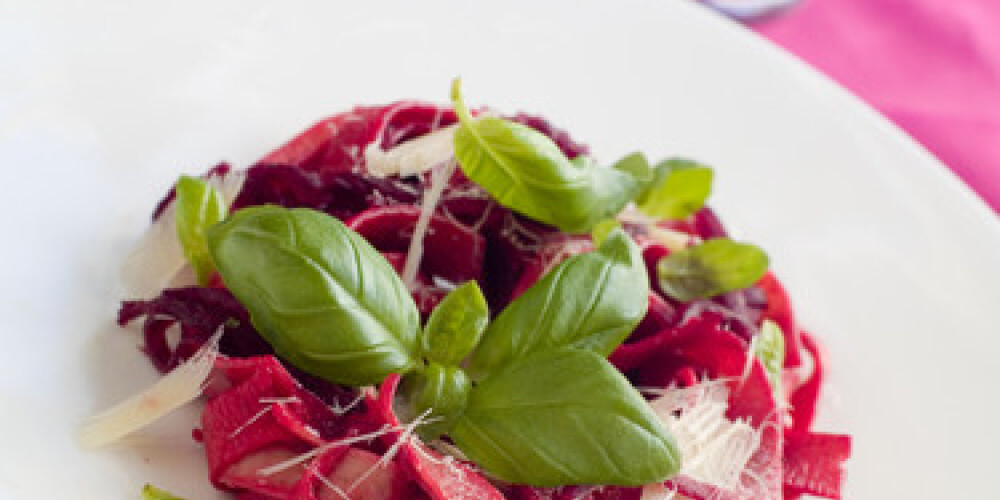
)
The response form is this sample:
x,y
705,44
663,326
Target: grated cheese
x,y
386,457
175,389
714,450
338,410
298,459
333,487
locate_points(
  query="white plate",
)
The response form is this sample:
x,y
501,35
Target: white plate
x,y
889,258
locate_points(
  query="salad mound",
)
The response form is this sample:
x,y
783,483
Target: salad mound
x,y
417,301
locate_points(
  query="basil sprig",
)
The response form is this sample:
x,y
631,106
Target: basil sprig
x,y
716,266
318,292
546,407
455,326
525,171
590,301
678,188
198,206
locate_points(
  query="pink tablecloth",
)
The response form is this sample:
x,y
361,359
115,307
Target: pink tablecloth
x,y
932,66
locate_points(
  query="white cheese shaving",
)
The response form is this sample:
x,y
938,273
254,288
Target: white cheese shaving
x,y
432,195
229,185
413,156
157,261
714,450
175,389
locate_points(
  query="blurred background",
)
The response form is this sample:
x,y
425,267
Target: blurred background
x,y
931,66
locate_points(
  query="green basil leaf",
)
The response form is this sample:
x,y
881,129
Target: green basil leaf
x,y
326,300
603,229
525,171
678,189
590,301
441,390
198,206
716,266
637,165
150,492
770,349
456,325
562,417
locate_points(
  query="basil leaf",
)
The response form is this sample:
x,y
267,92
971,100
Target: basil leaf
x,y
525,171
326,300
456,325
150,492
716,266
198,206
603,229
562,417
770,349
444,390
678,189
637,165
590,301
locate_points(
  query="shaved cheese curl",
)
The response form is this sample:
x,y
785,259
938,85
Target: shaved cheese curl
x,y
177,388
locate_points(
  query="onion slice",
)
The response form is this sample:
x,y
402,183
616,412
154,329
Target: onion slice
x,y
175,389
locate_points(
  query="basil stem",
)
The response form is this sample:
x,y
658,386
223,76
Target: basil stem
x,y
590,301
326,300
443,392
456,325
198,206
716,266
564,416
770,349
525,171
678,189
